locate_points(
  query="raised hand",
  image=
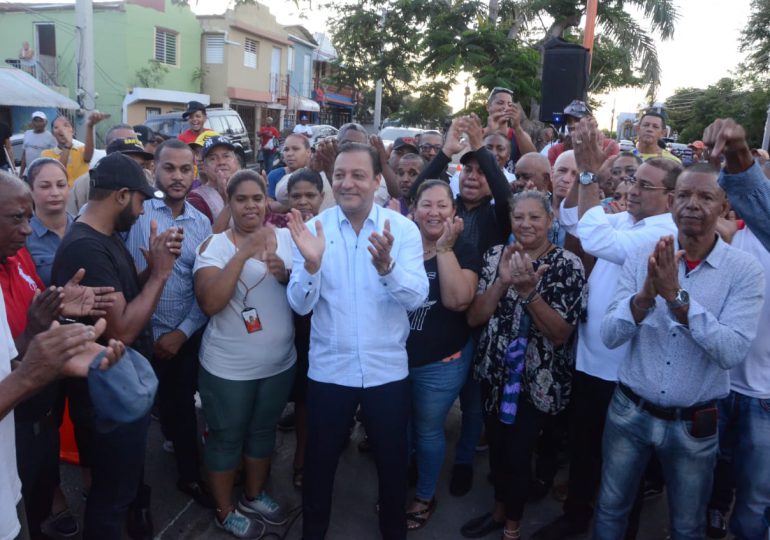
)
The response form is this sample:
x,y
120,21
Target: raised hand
x,y
666,268
453,143
474,131
727,227
310,246
380,248
452,229
95,117
504,270
724,137
44,309
586,140
378,145
275,266
82,301
322,160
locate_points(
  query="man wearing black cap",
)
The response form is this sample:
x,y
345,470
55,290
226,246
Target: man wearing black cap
x,y
118,190
572,114
220,162
149,139
196,117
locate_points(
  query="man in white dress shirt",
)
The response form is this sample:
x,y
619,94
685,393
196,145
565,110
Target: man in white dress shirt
x,y
359,269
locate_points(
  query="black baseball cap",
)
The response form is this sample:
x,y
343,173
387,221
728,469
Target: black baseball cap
x,y
145,134
128,145
117,171
401,142
217,140
193,106
467,156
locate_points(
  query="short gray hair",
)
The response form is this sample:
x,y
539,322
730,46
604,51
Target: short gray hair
x,y
351,126
533,195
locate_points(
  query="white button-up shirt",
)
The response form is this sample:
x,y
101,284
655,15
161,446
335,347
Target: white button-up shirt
x,y
611,238
360,325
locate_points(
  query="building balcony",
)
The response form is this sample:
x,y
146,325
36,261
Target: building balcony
x,y
43,68
279,86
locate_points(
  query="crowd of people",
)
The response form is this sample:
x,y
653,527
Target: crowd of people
x,y
576,299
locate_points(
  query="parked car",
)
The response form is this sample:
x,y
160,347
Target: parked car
x,y
17,141
224,121
390,134
626,145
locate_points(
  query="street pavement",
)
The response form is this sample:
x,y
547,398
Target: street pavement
x,y
177,517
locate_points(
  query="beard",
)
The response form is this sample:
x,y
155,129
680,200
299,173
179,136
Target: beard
x,y
125,220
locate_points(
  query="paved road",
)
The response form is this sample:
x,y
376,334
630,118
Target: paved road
x,y
177,517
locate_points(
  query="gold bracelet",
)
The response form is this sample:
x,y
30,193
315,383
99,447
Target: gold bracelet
x,y
443,250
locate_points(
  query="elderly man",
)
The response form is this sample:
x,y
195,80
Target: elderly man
x,y
351,361
689,307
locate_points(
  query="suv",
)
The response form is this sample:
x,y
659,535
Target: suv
x,y
224,121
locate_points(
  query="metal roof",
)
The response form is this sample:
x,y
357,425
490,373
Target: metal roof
x,y
20,89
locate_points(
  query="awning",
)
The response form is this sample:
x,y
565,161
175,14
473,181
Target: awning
x,y
303,104
20,89
164,96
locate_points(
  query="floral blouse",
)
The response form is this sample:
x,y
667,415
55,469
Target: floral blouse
x,y
547,377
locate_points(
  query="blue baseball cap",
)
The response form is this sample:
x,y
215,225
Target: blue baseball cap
x,y
123,393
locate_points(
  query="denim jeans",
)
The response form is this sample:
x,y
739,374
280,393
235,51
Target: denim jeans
x,y
631,435
744,454
472,419
435,387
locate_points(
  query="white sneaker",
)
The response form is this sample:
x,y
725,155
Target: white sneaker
x,y
241,526
265,507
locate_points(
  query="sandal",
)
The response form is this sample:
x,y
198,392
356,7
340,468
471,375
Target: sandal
x,y
418,519
512,534
299,476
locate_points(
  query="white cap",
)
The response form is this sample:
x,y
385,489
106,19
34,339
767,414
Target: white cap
x,y
39,114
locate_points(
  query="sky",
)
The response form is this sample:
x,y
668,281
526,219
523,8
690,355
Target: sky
x,y
703,50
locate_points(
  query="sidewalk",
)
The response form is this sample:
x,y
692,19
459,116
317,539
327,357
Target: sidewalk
x,y
176,517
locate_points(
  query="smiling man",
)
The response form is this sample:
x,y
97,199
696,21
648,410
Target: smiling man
x,y
196,117
359,270
220,162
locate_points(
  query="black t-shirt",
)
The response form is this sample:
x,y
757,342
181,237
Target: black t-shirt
x,y
5,134
107,263
435,331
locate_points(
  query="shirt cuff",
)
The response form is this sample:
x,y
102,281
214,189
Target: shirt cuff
x,y
307,282
188,327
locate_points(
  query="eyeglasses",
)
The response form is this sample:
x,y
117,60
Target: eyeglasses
x,y
428,147
499,89
644,185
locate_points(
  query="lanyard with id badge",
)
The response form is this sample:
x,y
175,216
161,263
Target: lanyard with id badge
x,y
249,314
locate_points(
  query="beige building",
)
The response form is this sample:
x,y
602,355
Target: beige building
x,y
244,58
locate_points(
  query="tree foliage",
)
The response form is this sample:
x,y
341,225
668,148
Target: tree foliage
x,y
690,110
755,37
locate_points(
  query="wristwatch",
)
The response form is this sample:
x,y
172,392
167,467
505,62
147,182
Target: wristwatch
x,y
681,299
587,178
390,268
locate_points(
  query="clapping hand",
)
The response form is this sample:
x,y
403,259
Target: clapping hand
x,y
275,266
310,246
586,140
664,264
524,277
81,301
380,248
452,229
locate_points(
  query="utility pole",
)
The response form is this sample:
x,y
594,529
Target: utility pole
x,y
378,88
588,35
84,18
766,137
612,120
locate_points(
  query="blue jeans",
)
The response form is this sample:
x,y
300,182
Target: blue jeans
x,y
744,444
470,404
631,435
435,387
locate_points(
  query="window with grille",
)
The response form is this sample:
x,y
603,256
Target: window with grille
x,y
215,49
250,50
166,46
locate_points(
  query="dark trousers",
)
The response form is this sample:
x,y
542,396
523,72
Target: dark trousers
x,y
330,408
177,383
116,458
591,397
510,455
37,457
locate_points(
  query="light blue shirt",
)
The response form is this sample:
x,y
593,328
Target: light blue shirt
x,y
672,365
749,195
42,245
177,308
360,324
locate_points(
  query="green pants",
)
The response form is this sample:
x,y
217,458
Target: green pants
x,y
241,416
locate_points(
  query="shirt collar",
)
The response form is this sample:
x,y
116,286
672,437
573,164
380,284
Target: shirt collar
x,y
373,216
41,230
652,220
157,204
717,253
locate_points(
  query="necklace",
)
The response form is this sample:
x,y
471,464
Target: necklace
x,y
547,248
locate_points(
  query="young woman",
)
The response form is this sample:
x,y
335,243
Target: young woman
x,y
437,369
247,353
530,297
306,194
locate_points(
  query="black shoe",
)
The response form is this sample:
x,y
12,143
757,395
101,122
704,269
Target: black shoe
x,y
537,490
560,528
716,525
64,524
199,492
139,524
652,489
286,423
481,526
462,480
